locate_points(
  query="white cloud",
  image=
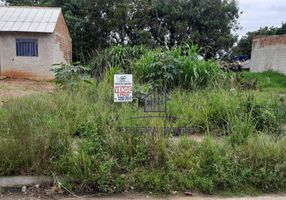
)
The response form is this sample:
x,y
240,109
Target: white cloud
x,y
260,13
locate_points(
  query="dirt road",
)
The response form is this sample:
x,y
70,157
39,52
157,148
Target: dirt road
x,y
141,197
18,88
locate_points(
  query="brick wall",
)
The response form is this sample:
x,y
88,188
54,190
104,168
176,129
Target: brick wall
x,y
262,42
269,53
63,38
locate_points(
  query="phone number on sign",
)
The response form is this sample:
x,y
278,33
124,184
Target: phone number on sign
x,y
124,98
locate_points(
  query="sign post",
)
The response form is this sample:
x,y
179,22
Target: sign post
x,y
123,88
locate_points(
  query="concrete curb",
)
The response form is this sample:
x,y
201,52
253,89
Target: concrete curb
x,y
19,181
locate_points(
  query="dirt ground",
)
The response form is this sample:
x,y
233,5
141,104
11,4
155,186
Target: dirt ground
x,y
140,197
10,88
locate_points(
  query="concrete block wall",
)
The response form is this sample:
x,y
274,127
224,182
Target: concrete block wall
x,y
269,53
38,68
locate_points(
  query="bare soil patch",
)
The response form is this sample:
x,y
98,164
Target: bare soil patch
x,y
14,88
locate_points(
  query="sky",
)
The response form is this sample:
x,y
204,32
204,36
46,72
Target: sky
x,y
261,13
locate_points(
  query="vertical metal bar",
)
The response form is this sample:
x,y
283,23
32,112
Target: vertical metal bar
x,y
25,48
32,47
28,48
36,49
21,47
17,47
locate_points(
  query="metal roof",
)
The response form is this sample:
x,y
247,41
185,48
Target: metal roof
x,y
28,19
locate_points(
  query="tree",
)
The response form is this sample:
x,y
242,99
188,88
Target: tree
x,y
244,45
97,24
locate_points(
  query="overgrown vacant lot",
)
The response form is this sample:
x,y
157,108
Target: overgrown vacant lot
x,y
20,88
131,196
76,131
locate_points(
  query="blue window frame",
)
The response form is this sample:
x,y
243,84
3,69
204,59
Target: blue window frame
x,y
27,47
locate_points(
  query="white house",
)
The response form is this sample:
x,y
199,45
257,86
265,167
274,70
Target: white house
x,y
32,40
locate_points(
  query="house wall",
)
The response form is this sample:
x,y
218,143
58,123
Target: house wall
x,y
63,38
269,53
38,68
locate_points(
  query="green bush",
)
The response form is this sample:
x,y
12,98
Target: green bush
x,y
69,75
178,68
117,56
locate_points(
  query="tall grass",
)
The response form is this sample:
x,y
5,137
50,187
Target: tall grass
x,y
178,68
268,79
117,56
77,133
223,112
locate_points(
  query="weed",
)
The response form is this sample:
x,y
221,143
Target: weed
x,y
78,132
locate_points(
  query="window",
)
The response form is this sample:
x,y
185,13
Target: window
x,y
27,47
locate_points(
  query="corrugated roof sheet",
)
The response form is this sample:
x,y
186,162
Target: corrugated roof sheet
x,y
28,19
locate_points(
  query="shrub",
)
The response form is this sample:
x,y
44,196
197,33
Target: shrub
x,y
69,75
117,56
178,68
264,116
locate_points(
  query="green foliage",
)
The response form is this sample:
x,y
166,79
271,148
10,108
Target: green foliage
x,y
243,81
178,68
213,166
264,116
90,166
77,133
223,112
244,45
267,79
117,56
33,137
96,25
69,75
159,69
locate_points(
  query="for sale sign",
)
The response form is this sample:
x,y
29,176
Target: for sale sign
x,y
123,87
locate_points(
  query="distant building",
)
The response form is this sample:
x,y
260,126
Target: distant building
x,y
269,53
32,40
